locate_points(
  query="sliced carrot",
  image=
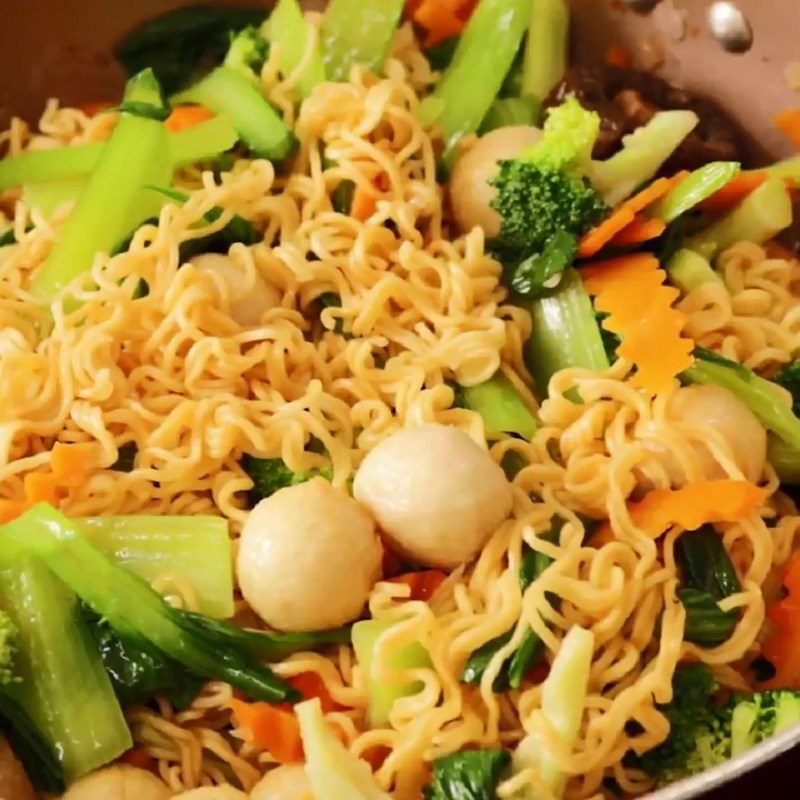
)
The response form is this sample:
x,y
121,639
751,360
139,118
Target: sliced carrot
x,y
619,56
310,685
138,757
642,229
422,584
273,728
788,122
782,647
72,463
40,487
597,238
183,117
696,504
93,107
364,203
441,19
11,509
734,191
631,290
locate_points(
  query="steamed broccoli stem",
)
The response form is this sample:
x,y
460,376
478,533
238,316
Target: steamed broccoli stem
x,y
130,606
197,548
64,170
483,56
764,213
760,395
63,687
565,333
546,48
695,188
286,29
687,270
510,111
110,206
357,32
643,154
500,406
226,91
785,459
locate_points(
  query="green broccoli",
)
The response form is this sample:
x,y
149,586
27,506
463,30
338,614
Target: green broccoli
x,y
270,474
789,378
544,192
467,775
703,734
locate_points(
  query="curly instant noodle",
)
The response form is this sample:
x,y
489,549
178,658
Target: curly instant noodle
x,y
173,373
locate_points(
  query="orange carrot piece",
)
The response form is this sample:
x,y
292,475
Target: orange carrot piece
x,y
782,647
422,584
273,728
642,229
375,756
364,203
788,122
696,504
631,290
183,117
40,487
734,191
72,463
11,509
310,685
597,238
441,19
619,56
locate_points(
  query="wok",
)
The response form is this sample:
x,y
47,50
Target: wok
x,y
57,49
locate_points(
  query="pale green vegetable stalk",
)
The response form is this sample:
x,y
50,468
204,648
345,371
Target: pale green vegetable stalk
x,y
358,32
563,700
764,213
643,154
785,459
382,694
500,406
510,111
473,79
565,333
197,549
687,270
227,91
693,189
286,28
333,771
546,48
789,168
63,686
111,204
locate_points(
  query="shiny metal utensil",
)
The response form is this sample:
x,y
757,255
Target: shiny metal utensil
x,y
730,26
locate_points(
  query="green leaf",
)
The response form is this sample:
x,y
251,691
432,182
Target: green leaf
x,y
706,564
467,775
706,623
536,272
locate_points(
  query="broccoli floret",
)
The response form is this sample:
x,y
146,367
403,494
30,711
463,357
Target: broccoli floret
x,y
544,191
703,734
270,474
789,378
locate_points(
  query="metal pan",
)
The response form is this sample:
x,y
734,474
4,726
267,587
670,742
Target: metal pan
x,y
57,49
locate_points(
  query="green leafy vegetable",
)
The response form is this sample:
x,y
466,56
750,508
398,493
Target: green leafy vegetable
x,y
785,459
270,474
357,32
535,273
706,564
546,48
440,55
181,45
687,270
565,333
706,623
500,406
247,53
483,56
467,775
789,378
203,645
693,189
760,395
507,111
286,28
113,202
763,214
643,154
7,237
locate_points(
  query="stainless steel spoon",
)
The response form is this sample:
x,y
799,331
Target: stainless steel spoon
x,y
730,26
